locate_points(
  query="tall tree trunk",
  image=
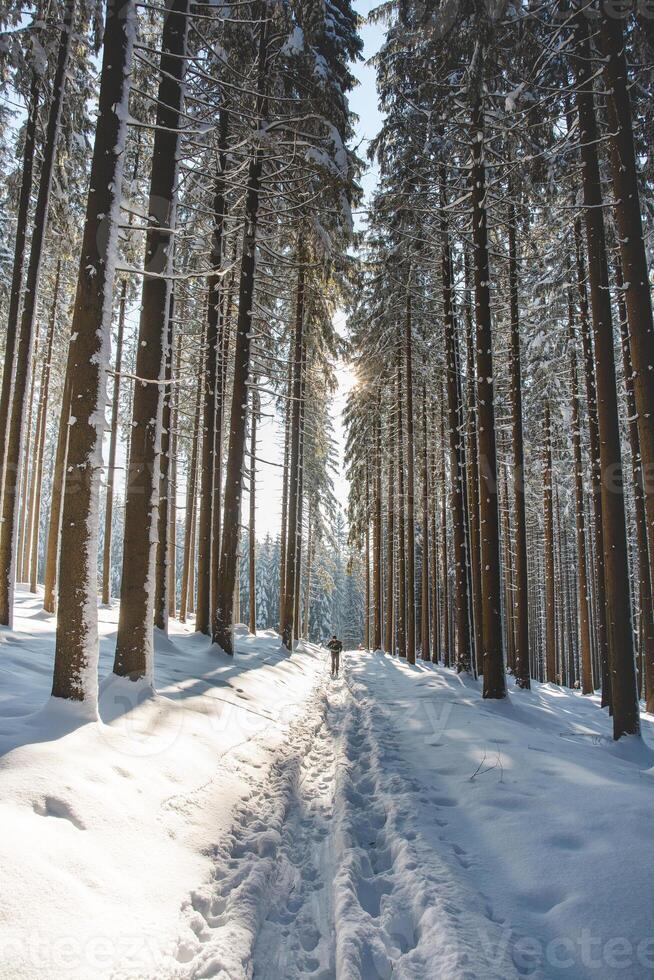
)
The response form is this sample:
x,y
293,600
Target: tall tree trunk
x,y
376,540
15,431
213,367
520,594
637,294
599,586
473,480
293,530
26,501
224,609
194,532
410,492
366,610
300,515
163,517
113,443
401,543
433,551
253,511
172,510
16,288
624,698
459,558
76,650
644,582
548,544
134,656
424,598
562,663
186,597
221,380
509,609
389,642
445,591
583,590
40,448
56,501
493,660
307,587
285,488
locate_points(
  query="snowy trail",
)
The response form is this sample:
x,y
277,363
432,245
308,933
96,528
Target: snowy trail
x,y
266,912
390,824
403,908
323,874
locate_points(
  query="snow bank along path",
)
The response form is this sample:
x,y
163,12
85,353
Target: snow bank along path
x,y
106,828
258,820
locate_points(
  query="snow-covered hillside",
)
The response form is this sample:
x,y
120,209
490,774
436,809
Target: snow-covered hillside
x,y
258,819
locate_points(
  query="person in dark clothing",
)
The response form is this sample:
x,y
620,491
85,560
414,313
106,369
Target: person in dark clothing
x,y
335,646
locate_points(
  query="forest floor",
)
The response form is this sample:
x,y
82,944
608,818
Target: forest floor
x,y
258,819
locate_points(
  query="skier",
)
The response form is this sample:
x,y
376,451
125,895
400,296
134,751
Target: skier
x,y
335,646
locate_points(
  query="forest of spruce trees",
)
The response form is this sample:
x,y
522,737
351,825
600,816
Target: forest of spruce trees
x,y
179,189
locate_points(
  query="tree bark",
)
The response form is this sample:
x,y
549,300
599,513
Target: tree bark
x,y
445,590
172,510
25,487
15,431
134,656
435,616
493,660
366,612
376,540
389,643
297,606
186,597
285,486
113,442
56,502
213,367
520,603
583,590
253,511
307,588
597,551
16,288
401,543
424,598
637,294
40,447
624,698
644,581
461,623
410,492
548,545
221,380
293,530
473,481
76,650
163,516
224,610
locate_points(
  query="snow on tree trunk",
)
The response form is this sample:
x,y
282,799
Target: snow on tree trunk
x,y
76,651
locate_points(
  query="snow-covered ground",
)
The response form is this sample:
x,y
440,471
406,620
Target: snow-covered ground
x,y
257,819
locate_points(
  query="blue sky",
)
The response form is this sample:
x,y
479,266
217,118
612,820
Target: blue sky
x,y
363,101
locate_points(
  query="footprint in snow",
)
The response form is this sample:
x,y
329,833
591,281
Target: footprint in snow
x,y
52,806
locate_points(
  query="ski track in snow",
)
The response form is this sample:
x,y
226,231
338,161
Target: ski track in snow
x,y
324,874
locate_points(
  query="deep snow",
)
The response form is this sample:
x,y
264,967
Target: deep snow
x,y
257,819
